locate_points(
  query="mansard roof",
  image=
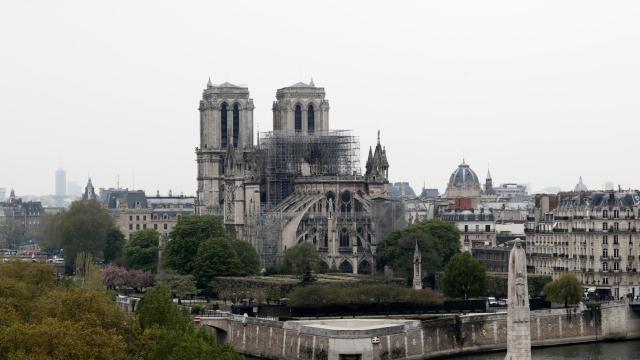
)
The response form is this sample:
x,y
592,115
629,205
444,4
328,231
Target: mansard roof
x,y
598,199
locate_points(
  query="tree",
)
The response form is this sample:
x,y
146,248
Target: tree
x,y
215,257
564,290
178,339
115,276
248,257
300,260
464,277
180,285
114,241
438,241
141,252
138,279
11,233
82,228
186,237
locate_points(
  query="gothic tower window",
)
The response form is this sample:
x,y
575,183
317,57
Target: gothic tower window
x,y
236,124
223,125
311,119
298,118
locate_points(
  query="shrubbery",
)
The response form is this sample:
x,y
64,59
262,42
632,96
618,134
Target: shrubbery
x,y
330,295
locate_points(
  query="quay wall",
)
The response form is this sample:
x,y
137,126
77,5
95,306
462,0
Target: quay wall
x,y
415,339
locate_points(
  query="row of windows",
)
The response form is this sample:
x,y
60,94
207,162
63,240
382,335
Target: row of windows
x,y
144,226
153,217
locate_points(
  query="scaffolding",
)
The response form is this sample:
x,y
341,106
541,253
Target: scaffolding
x,y
285,155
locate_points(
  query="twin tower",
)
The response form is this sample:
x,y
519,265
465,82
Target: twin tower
x,y
226,114
227,136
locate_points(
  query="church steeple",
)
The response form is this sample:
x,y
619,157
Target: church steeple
x,y
89,192
488,184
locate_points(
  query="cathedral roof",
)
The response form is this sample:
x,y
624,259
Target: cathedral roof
x,y
463,175
301,84
228,84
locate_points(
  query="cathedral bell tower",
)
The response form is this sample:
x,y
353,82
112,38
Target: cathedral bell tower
x,y
226,123
301,108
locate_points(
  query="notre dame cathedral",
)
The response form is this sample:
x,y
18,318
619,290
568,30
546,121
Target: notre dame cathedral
x,y
301,182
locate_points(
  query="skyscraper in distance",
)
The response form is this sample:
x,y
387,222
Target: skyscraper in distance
x,y
61,183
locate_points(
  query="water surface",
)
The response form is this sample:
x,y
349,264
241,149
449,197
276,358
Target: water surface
x,y
620,350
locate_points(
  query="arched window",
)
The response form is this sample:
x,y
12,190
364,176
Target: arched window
x,y
311,119
223,125
345,205
344,238
236,124
298,118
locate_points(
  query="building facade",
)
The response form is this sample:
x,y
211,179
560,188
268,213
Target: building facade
x,y
133,210
591,234
477,228
26,214
301,182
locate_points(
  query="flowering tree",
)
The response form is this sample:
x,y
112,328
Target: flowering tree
x,y
115,276
138,279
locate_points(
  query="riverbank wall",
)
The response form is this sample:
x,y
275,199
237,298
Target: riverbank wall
x,y
385,339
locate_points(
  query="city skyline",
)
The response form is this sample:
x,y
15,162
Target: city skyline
x,y
124,100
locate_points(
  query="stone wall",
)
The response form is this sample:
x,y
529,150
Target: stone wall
x,y
413,339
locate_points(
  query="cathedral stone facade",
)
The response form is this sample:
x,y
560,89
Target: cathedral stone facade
x,y
301,182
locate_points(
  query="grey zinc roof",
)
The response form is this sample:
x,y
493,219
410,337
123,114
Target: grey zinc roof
x,y
463,175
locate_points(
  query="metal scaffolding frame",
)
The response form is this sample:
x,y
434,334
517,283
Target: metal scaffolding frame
x,y
285,155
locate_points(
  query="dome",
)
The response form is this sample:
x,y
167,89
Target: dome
x,y
463,175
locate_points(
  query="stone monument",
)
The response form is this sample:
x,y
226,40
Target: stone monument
x,y
518,327
417,268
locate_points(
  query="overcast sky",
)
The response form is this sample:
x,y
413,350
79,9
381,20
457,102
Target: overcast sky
x,y
542,92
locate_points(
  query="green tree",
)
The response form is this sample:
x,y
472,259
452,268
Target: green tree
x,y
564,290
83,228
11,233
180,285
537,283
248,257
157,308
177,339
438,241
114,242
215,257
186,237
300,260
141,253
464,277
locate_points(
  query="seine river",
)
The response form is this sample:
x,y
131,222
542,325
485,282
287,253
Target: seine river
x,y
621,350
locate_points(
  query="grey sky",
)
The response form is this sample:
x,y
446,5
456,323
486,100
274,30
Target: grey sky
x,y
543,92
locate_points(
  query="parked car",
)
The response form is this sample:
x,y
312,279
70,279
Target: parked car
x,y
492,301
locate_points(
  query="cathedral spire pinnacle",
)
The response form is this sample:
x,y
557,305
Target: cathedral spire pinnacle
x,y
209,83
378,136
311,83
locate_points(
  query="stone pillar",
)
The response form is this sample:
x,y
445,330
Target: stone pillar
x,y
518,327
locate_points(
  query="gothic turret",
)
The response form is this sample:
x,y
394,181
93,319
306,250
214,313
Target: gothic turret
x,y
377,165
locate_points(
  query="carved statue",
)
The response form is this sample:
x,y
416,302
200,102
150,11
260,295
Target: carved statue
x,y
518,328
